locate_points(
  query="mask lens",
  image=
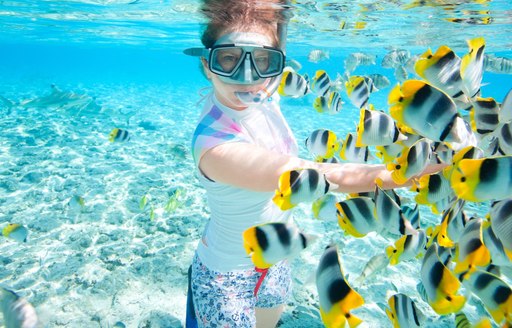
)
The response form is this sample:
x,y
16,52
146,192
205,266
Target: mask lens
x,y
226,60
267,62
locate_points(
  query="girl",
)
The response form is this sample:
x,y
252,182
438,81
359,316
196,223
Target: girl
x,y
241,145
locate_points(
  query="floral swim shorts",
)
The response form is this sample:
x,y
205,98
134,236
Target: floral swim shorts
x,y
227,299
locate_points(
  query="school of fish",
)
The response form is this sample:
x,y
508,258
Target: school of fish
x,y
437,116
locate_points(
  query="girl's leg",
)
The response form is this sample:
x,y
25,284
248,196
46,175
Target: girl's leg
x,y
273,295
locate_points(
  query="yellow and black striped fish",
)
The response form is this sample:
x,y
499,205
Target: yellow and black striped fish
x,y
377,128
441,286
321,83
484,115
403,313
478,180
358,89
356,216
472,67
351,153
118,135
272,242
495,294
336,296
293,84
301,185
427,110
322,143
442,70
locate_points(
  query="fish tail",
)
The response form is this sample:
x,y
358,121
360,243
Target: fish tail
x,y
352,320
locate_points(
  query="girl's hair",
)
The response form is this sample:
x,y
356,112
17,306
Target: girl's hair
x,y
241,15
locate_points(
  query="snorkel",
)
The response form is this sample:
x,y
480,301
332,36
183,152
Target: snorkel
x,y
254,98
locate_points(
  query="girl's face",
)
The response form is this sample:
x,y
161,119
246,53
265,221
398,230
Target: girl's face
x,y
225,89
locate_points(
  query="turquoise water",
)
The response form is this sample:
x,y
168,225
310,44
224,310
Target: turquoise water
x,y
118,64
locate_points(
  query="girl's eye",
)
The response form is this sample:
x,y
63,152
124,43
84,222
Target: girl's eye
x,y
229,59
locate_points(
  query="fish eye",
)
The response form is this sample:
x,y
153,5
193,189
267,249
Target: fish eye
x,y
463,179
398,167
449,298
394,251
429,56
400,99
282,195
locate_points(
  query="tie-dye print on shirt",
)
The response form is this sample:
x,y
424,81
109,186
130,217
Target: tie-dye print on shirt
x,y
214,128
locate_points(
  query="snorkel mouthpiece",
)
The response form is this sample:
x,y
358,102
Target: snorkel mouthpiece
x,y
252,98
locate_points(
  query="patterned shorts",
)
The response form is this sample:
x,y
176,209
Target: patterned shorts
x,y
227,299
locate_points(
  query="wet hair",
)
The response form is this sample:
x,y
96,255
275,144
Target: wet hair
x,y
237,15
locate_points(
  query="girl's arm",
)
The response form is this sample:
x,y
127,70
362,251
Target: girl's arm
x,y
253,167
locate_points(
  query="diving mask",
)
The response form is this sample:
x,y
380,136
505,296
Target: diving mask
x,y
242,58
245,58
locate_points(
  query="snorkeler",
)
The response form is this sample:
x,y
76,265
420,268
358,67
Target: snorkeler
x,y
241,146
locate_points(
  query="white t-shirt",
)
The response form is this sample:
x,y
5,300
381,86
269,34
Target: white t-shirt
x,y
233,210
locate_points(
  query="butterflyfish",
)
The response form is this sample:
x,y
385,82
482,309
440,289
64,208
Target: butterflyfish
x,y
118,135
352,153
505,114
504,138
330,103
322,143
16,232
431,188
389,152
452,225
411,162
301,185
472,67
377,128
484,115
500,256
324,208
337,299
403,312
293,84
442,70
270,243
356,216
471,251
358,89
321,83
441,286
466,152
17,311
427,110
501,222
412,214
495,294
390,215
478,180
407,247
